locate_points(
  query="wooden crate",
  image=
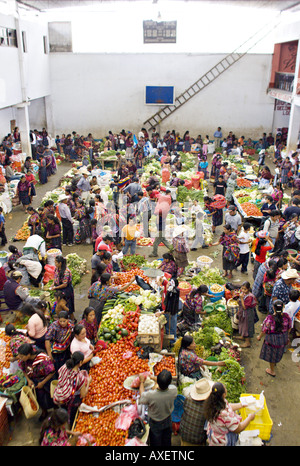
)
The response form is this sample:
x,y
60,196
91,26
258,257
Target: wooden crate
x,y
151,339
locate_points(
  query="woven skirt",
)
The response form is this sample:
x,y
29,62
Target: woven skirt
x,y
273,347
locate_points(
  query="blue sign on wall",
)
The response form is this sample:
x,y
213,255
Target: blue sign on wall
x,y
159,95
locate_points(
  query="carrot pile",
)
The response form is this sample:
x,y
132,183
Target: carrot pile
x,y
243,183
251,210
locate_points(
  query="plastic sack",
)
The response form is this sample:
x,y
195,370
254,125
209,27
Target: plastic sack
x,y
136,382
86,440
127,355
128,414
135,442
137,429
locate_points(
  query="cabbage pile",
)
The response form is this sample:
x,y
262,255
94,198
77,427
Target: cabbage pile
x,y
147,298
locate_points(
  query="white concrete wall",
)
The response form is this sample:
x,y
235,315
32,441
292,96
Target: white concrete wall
x,y
36,73
102,92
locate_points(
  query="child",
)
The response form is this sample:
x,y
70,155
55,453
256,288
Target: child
x,y
94,234
292,308
244,242
2,228
199,233
246,314
269,280
44,307
117,256
60,304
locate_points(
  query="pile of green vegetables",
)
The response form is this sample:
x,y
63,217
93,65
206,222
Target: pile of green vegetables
x,y
220,320
132,261
186,195
77,266
233,377
208,276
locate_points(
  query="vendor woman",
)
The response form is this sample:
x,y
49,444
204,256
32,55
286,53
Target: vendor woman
x,y
189,363
58,339
168,264
63,281
39,372
102,290
192,309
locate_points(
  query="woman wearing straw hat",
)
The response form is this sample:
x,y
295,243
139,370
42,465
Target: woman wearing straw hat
x,y
180,249
192,423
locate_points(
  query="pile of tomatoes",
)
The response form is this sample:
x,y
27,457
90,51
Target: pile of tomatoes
x,y
5,353
167,362
118,362
121,278
102,428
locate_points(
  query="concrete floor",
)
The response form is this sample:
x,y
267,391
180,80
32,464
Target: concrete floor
x,y
282,392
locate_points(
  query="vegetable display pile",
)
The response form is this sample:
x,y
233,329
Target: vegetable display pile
x,y
233,377
251,210
132,261
243,183
208,276
77,266
122,278
167,362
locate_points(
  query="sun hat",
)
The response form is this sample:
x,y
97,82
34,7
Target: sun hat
x,y
95,188
290,273
63,197
179,230
201,389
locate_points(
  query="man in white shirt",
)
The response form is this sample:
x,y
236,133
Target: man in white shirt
x,y
233,218
244,245
160,402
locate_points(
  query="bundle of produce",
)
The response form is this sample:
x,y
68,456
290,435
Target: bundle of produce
x,y
77,266
132,261
23,233
219,201
233,377
208,276
146,298
219,320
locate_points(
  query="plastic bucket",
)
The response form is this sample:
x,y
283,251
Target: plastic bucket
x,y
184,291
196,181
3,257
208,308
52,254
216,295
220,307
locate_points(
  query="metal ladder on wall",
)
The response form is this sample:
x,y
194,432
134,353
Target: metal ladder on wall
x,y
210,76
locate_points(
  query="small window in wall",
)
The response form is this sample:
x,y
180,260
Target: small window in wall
x,y
8,37
24,42
45,43
60,36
